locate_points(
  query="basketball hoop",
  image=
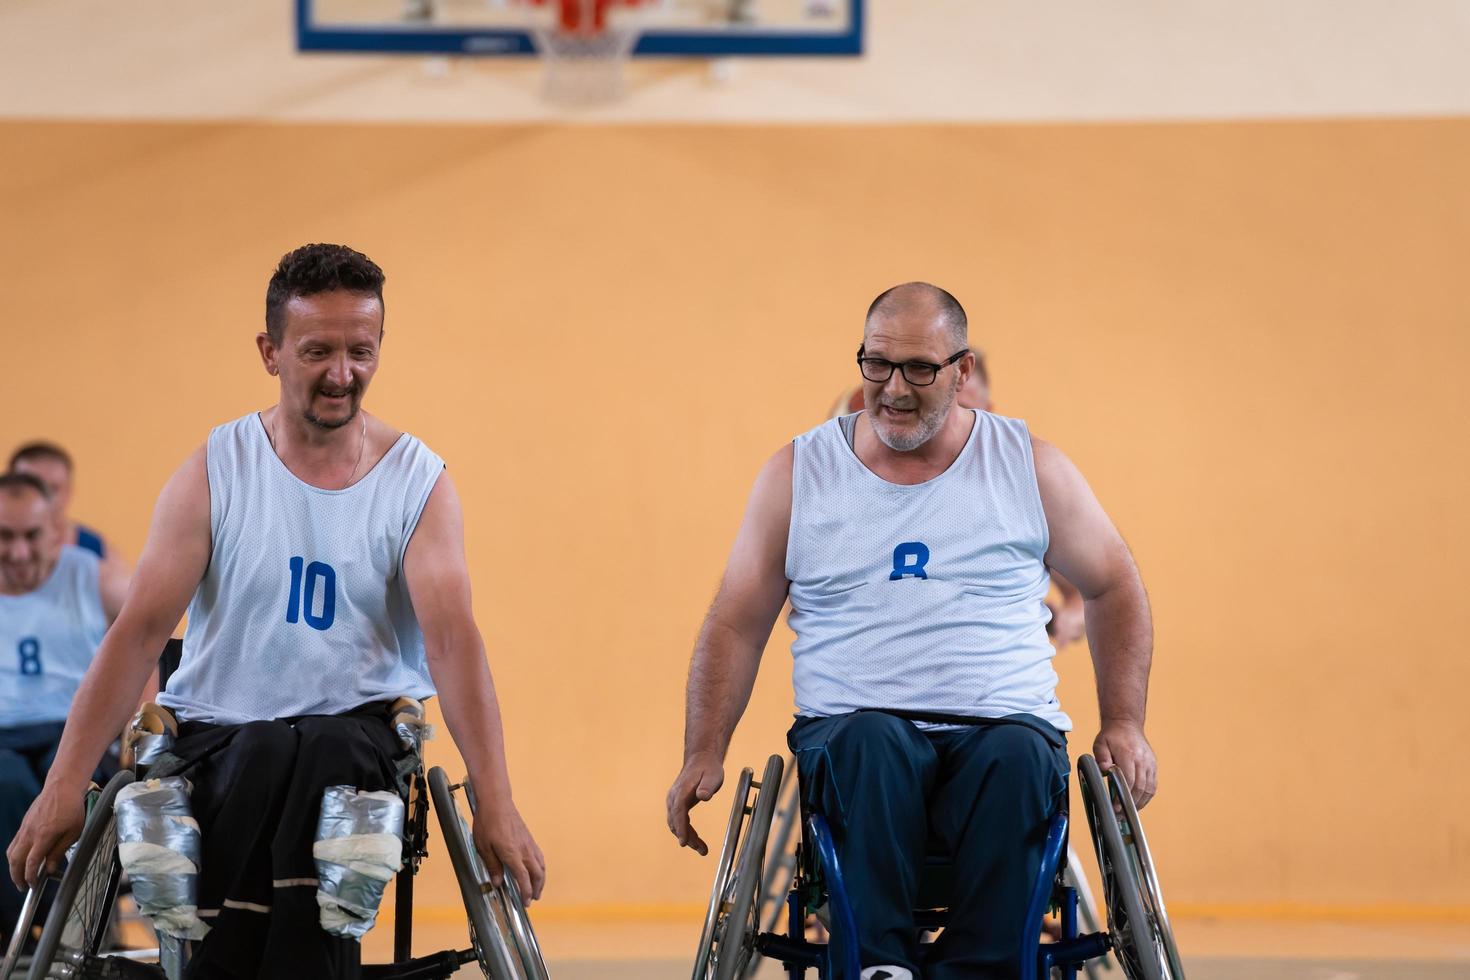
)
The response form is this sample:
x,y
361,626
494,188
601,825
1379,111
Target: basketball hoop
x,y
585,51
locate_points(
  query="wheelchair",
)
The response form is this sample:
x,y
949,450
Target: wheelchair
x,y
758,877
77,939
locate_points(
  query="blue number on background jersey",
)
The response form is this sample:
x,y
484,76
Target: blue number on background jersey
x,y
918,551
30,655
303,594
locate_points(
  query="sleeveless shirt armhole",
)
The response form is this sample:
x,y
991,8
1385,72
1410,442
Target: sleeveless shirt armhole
x,y
89,589
1035,487
791,522
417,507
216,504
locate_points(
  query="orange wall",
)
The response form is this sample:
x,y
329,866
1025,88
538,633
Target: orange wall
x,y
1252,338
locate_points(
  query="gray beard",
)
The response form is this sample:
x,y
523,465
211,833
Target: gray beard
x,y
929,425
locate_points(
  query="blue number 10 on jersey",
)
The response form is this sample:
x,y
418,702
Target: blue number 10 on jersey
x,y
303,594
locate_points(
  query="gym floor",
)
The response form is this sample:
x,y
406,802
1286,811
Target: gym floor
x,y
1214,949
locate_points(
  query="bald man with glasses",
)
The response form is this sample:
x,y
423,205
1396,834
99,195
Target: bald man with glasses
x,y
912,540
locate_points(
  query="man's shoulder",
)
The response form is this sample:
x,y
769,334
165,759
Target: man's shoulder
x,y
90,539
822,429
75,556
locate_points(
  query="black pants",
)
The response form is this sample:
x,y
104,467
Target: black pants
x,y
891,792
257,796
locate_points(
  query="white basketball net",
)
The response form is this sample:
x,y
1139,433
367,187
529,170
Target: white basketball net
x,y
585,51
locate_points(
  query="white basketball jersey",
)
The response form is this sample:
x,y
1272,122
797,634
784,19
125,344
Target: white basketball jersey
x,y
304,608
47,640
928,597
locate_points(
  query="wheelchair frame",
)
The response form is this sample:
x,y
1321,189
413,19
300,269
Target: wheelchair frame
x,y
76,930
734,941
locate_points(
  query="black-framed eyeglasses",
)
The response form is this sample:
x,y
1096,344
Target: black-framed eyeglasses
x,y
917,373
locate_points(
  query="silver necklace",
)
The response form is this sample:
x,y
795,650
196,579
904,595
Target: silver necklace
x,y
361,445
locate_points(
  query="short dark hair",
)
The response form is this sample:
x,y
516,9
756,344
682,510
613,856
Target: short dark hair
x,y
12,481
950,310
313,269
40,449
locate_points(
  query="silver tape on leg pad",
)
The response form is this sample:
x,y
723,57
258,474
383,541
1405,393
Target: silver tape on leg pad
x,y
148,748
358,850
158,845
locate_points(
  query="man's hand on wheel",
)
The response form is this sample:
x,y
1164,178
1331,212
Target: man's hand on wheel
x,y
50,825
1121,744
506,845
699,780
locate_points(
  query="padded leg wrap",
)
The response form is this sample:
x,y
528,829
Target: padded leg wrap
x,y
358,850
158,845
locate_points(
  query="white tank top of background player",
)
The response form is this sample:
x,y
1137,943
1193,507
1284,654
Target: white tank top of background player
x,y
304,608
47,640
927,597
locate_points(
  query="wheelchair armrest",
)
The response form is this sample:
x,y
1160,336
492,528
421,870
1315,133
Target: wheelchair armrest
x,y
152,720
406,718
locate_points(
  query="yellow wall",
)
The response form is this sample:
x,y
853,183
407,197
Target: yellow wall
x,y
1252,338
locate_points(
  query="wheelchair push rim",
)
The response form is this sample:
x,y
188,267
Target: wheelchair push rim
x,y
22,931
500,930
735,934
780,869
738,809
1143,948
80,914
1131,828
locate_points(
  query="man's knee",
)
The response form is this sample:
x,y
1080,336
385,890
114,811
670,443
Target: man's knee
x,y
347,750
1015,762
867,754
330,734
271,742
874,735
1022,752
18,784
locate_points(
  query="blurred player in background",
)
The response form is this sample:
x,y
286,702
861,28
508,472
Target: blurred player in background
x,y
52,465
56,602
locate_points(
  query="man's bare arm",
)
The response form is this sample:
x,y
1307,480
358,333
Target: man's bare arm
x,y
728,652
1087,549
112,582
439,584
173,562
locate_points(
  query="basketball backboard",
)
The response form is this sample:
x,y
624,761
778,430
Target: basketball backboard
x,y
668,28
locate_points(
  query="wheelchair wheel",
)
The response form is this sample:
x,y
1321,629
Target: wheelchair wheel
x,y
1131,829
723,867
499,927
780,855
80,916
734,905
1141,938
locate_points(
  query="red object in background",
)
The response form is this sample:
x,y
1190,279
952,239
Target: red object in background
x,y
848,402
573,15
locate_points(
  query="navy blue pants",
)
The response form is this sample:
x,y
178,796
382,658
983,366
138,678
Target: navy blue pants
x,y
893,793
26,753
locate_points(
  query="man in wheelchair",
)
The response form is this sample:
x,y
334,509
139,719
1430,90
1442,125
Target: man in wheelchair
x,y
56,602
913,541
320,552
